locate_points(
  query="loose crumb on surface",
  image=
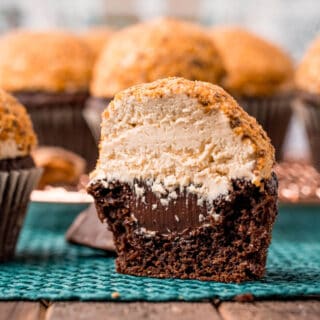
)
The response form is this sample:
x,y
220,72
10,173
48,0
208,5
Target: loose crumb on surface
x,y
115,295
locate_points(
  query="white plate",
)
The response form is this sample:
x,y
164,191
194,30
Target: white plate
x,y
60,195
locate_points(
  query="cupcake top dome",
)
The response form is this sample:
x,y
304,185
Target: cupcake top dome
x,y
17,138
179,133
308,72
44,61
254,67
156,49
96,38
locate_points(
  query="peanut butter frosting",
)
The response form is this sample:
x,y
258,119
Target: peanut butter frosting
x,y
153,50
180,133
254,67
96,38
44,61
17,138
308,72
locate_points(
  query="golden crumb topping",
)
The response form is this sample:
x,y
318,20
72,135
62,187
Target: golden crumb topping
x,y
308,72
96,39
48,61
156,49
254,67
17,137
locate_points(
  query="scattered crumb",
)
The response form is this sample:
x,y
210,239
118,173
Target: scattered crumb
x,y
164,202
115,295
245,297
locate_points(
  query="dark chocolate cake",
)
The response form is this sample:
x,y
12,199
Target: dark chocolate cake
x,y
230,246
185,182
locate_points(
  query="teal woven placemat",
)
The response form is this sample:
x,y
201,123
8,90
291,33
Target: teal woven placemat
x,y
46,267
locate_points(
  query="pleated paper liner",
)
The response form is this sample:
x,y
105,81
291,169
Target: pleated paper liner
x,y
15,189
274,114
92,113
307,107
58,121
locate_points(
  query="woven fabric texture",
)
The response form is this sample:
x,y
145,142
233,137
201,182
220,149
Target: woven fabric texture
x,y
47,267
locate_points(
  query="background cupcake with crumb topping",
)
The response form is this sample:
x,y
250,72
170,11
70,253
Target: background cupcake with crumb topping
x,y
260,76
96,38
18,174
49,72
149,51
308,84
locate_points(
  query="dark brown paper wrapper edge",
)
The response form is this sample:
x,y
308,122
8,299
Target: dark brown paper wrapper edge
x,y
15,189
274,115
92,114
63,125
309,114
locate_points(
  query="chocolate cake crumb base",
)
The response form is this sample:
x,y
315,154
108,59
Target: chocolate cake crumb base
x,y
229,246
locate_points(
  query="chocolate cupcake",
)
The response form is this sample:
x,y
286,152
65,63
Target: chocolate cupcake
x,y
308,105
185,182
149,51
260,76
18,175
49,72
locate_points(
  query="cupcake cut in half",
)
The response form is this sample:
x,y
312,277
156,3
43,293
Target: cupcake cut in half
x,y
147,52
307,79
18,175
260,76
184,180
49,72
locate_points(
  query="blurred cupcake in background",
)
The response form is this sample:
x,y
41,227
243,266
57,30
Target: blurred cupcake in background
x,y
260,76
49,72
96,38
308,105
18,174
149,51
60,167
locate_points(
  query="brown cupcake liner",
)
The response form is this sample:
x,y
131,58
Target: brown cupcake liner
x,y
92,114
58,121
307,107
274,115
15,189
